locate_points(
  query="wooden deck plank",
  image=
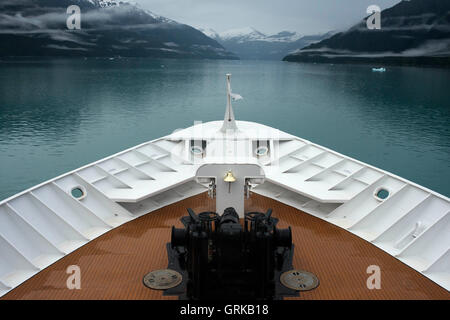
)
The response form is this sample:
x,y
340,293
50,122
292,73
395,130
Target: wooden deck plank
x,y
113,265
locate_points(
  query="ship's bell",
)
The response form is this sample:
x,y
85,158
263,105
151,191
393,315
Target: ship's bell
x,y
229,177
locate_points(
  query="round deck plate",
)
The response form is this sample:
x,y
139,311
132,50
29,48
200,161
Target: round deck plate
x,y
299,280
162,279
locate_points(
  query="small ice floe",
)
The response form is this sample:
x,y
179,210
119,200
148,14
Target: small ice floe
x,y
162,66
111,58
378,69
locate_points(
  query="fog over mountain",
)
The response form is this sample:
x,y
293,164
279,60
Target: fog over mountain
x,y
412,32
108,28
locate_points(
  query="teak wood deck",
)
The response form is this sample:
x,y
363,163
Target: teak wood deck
x,y
113,265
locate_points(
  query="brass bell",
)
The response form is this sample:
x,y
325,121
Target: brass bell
x,y
229,177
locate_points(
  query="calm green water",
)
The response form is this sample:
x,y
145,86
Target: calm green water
x,y
56,116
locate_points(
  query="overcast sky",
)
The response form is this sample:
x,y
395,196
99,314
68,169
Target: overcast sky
x,y
268,16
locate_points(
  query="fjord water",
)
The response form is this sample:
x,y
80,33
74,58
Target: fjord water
x,y
58,115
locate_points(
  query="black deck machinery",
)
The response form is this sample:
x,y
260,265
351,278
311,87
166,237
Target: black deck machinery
x,y
220,258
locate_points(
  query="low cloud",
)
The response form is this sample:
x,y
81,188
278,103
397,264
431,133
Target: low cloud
x,y
429,48
59,47
55,18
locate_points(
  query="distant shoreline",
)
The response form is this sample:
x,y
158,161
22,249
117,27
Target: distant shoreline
x,y
424,61
74,57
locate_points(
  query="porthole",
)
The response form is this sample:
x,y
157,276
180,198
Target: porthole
x,y
382,194
261,151
78,192
196,150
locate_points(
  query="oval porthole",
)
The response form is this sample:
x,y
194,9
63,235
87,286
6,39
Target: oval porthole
x,y
382,194
261,151
78,192
196,150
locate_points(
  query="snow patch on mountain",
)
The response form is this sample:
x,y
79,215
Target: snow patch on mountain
x,y
248,34
118,3
213,34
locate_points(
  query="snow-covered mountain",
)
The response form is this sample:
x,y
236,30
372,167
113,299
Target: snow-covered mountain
x,y
209,32
108,28
243,34
250,34
117,3
249,43
284,36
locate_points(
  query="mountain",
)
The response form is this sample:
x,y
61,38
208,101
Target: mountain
x,y
108,28
242,35
210,33
415,32
249,43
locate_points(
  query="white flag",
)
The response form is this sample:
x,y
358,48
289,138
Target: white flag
x,y
236,96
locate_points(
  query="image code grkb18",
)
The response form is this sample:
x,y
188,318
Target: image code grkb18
x,y
244,309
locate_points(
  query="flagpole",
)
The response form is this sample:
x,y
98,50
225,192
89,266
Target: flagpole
x,y
229,122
